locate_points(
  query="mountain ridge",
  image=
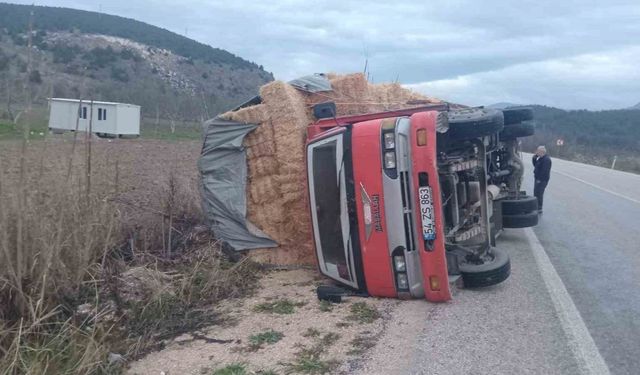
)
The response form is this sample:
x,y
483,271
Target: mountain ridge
x,y
168,75
15,19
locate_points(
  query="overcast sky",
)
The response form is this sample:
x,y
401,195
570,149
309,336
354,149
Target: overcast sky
x,y
565,53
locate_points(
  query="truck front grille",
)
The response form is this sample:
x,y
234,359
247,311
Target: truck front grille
x,y
407,211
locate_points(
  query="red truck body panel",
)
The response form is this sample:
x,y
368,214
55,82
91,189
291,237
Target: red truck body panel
x,y
434,263
368,172
375,252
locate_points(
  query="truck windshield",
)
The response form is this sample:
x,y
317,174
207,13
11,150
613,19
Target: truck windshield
x,y
328,198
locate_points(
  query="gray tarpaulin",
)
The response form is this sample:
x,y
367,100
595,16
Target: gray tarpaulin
x,y
314,83
223,173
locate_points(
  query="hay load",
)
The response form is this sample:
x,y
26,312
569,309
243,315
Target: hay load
x,y
276,195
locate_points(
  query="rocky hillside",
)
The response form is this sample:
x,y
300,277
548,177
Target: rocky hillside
x,y
97,56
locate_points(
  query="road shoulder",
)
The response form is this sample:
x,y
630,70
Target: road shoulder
x,y
509,328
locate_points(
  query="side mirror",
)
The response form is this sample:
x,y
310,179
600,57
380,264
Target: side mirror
x,y
324,110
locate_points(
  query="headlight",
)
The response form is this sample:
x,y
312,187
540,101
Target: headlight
x,y
399,263
403,281
389,141
390,160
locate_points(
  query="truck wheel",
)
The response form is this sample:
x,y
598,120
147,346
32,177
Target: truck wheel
x,y
488,273
470,123
516,115
517,131
520,220
521,205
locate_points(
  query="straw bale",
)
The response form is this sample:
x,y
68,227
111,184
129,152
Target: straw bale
x,y
262,166
263,190
259,150
286,105
250,115
262,134
285,255
268,218
276,192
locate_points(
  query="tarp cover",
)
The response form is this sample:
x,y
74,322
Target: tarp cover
x,y
314,83
223,173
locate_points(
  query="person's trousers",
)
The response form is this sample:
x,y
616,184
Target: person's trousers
x,y
538,191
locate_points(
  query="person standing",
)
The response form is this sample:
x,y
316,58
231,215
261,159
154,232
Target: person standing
x,y
541,173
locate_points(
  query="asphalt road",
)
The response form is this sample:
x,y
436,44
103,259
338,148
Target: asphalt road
x,y
571,305
590,231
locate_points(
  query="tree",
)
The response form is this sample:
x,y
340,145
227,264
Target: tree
x,y
34,77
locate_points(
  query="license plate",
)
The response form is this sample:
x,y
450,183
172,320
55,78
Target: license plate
x,y
426,213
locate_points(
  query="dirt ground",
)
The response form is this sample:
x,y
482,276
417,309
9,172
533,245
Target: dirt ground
x,y
309,327
302,335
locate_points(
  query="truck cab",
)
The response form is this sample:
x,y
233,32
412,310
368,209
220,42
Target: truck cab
x,y
401,202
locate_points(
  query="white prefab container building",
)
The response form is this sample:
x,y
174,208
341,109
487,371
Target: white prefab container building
x,y
106,119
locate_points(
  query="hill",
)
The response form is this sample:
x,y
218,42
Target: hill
x,y
593,137
502,105
103,57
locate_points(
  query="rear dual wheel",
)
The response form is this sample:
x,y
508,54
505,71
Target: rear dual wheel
x,y
520,213
517,131
516,115
471,123
516,206
513,123
529,219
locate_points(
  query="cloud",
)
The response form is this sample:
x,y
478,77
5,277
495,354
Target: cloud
x,y
452,42
591,81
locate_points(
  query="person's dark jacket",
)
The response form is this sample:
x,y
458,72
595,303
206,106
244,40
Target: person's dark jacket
x,y
542,167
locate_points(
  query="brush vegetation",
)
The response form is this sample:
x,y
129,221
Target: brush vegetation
x,y
280,306
99,261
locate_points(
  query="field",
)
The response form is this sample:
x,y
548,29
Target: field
x,y
103,252
109,269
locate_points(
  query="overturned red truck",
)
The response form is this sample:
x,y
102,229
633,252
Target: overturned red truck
x,y
404,203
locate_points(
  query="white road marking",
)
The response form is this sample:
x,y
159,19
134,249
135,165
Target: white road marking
x,y
580,340
598,187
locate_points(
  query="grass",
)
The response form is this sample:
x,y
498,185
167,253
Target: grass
x,y
361,344
68,234
325,306
257,341
39,128
280,306
233,369
311,332
363,313
310,359
182,131
309,364
266,337
37,122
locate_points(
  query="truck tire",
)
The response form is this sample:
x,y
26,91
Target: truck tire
x,y
515,115
520,220
521,205
488,273
469,123
517,131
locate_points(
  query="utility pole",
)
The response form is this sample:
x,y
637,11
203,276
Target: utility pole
x,y
89,136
